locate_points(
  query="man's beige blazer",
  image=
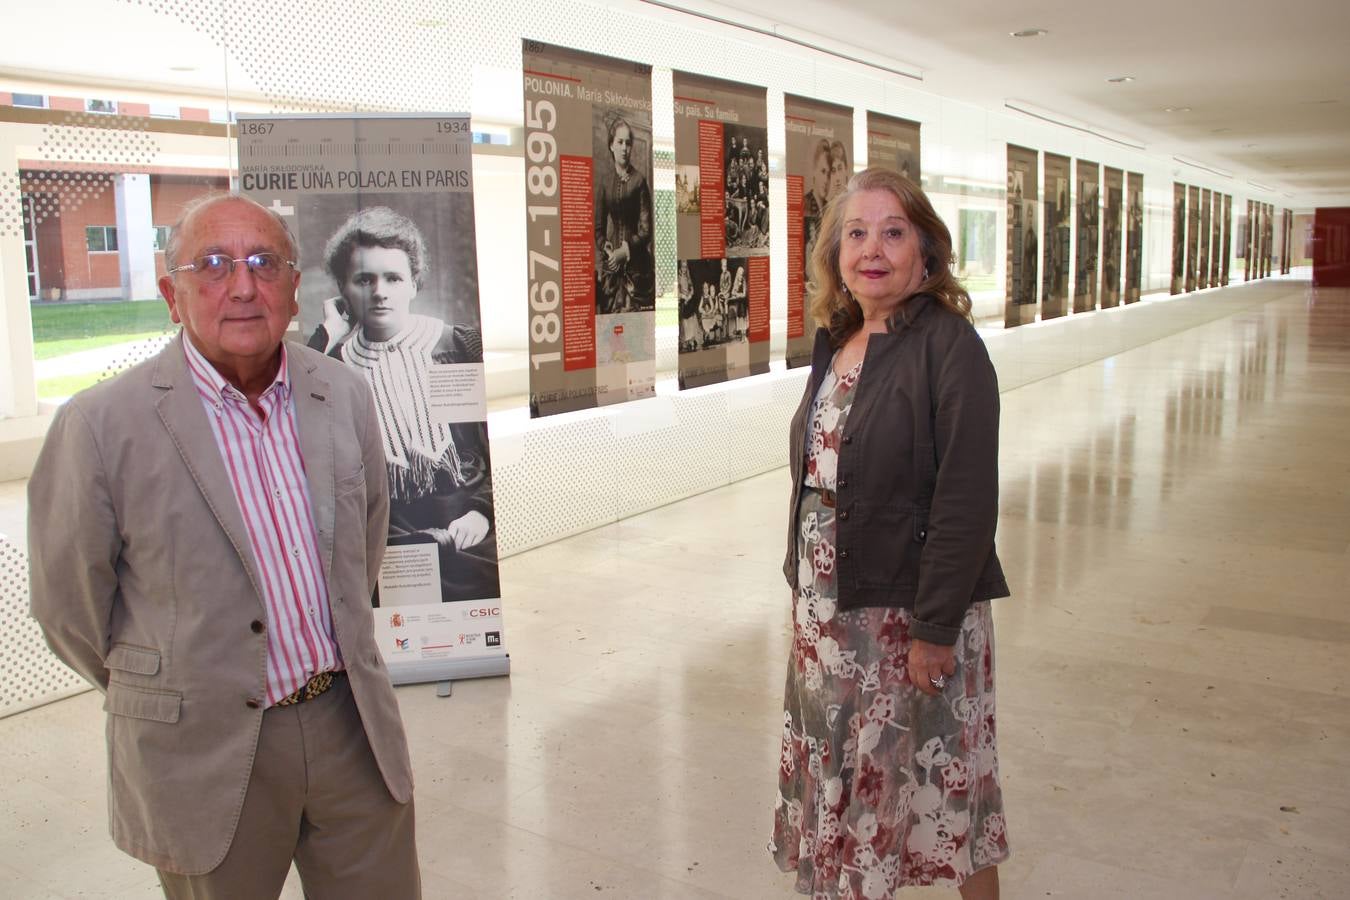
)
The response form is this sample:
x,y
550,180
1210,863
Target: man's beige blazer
x,y
144,582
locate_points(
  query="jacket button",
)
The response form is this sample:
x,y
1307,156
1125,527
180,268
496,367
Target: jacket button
x,y
256,626
923,535
848,439
843,554
843,514
841,484
253,703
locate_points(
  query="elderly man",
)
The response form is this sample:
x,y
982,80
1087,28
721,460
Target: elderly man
x,y
205,530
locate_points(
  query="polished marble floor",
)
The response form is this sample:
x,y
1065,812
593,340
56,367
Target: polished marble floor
x,y
1173,668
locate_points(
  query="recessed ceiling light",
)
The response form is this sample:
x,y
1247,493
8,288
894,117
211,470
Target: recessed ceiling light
x,y
1173,109
1029,32
1221,131
182,68
1120,79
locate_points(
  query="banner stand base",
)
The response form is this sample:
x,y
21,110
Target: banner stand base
x,y
446,671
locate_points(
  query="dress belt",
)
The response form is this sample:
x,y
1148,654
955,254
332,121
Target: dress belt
x,y
827,496
318,684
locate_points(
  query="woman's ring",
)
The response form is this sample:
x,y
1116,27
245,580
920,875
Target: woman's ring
x,y
939,682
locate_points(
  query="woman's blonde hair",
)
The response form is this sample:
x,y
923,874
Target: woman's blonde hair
x,y
831,304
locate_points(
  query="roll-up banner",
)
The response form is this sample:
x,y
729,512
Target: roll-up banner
x,y
1246,237
1088,235
1254,241
893,143
819,161
1192,236
1202,236
1055,249
1269,239
1178,237
1113,188
721,228
589,229
1134,236
1288,242
382,209
1215,238
1023,262
1227,241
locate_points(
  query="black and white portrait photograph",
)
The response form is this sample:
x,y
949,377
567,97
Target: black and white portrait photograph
x,y
625,267
394,280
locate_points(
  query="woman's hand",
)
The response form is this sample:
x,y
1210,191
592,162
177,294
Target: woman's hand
x,y
617,257
468,530
334,322
930,661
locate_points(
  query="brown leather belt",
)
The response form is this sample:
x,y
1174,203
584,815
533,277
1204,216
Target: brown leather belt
x,y
318,684
827,497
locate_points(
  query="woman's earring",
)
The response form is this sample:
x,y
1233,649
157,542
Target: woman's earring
x,y
925,273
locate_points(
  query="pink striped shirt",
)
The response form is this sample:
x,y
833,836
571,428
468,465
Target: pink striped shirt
x,y
267,471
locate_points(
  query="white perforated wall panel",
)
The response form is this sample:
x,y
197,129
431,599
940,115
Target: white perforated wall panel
x,y
29,673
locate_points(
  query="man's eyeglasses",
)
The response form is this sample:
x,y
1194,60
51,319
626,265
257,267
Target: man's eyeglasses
x,y
219,266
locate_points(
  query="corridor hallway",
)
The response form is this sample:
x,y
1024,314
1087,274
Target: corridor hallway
x,y
1173,666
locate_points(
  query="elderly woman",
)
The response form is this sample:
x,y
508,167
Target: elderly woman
x,y
625,267
440,481
888,775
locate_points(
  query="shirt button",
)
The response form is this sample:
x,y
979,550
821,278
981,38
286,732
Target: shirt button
x,y
295,551
257,626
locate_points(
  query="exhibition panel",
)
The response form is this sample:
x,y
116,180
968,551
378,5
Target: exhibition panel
x,y
382,208
818,162
722,227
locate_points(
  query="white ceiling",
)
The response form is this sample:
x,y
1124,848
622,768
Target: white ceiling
x,y
1267,83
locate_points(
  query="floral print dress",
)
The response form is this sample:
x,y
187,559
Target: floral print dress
x,y
880,785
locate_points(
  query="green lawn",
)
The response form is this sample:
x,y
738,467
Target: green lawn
x,y
977,283
66,385
61,328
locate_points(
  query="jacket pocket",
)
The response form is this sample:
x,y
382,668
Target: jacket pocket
x,y
135,703
349,483
887,556
133,659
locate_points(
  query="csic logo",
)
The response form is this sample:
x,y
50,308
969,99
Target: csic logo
x,y
396,621
400,643
493,638
482,612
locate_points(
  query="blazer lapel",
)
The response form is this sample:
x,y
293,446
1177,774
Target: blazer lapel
x,y
180,409
313,400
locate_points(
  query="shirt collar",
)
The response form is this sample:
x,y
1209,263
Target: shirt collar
x,y
214,386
